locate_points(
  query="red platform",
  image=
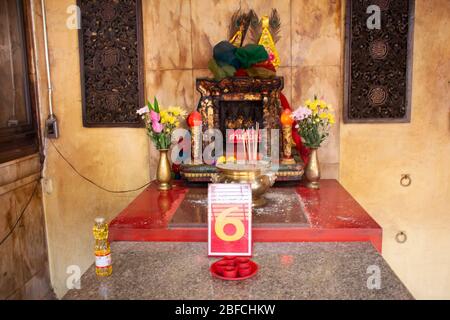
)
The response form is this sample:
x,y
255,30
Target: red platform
x,y
331,212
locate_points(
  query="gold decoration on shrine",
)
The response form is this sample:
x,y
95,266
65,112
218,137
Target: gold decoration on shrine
x,y
240,22
237,39
268,42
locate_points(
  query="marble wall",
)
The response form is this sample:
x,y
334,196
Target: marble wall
x,y
179,37
24,272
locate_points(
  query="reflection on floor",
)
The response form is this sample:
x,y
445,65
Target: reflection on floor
x,y
283,208
294,214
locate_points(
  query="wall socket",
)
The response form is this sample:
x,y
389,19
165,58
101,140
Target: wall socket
x,y
51,127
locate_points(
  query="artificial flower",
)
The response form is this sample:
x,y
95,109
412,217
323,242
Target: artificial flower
x,y
301,113
161,123
142,111
157,127
313,122
154,116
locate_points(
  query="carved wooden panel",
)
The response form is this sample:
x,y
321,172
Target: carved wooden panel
x,y
111,62
378,62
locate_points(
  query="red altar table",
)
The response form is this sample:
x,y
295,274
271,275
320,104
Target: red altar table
x,y
329,214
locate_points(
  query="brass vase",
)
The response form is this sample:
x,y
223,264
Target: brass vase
x,y
312,170
164,173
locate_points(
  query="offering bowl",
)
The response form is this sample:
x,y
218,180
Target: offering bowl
x,y
257,174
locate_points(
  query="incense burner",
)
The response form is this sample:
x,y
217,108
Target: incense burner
x,y
258,175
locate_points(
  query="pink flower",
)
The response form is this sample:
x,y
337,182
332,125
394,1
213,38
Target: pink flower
x,y
301,113
143,110
157,127
155,116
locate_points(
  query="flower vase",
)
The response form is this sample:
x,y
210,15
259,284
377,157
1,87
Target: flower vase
x,y
164,173
312,171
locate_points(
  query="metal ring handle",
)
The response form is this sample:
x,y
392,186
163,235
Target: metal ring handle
x,y
401,237
405,181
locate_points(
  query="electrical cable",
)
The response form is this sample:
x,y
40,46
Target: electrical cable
x,y
21,215
89,180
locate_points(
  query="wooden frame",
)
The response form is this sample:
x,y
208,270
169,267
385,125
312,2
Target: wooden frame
x,y
140,71
23,140
347,72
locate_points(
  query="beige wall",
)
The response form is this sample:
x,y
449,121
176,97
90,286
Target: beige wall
x,y
373,158
179,36
178,39
116,159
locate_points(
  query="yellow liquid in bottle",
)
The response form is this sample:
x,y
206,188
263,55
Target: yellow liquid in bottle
x,y
103,263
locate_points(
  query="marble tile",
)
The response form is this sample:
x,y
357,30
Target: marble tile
x,y
316,32
167,33
210,22
286,73
211,19
172,87
325,82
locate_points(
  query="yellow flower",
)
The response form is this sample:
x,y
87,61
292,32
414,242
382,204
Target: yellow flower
x,y
331,119
314,106
324,115
164,115
177,111
307,103
322,104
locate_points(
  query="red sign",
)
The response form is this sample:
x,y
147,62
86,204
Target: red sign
x,y
229,220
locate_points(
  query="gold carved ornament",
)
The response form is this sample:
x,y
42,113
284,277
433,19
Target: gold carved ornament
x,y
268,42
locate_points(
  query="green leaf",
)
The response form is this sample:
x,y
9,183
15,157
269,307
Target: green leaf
x,y
156,105
150,105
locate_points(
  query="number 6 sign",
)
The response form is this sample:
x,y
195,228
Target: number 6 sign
x,y
229,220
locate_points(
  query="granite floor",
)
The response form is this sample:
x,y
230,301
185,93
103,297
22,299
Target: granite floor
x,y
180,271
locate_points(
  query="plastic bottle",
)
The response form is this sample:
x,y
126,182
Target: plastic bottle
x,y
103,262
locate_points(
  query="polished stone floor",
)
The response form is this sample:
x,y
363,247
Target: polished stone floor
x,y
283,208
179,271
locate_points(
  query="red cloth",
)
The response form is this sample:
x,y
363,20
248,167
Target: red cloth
x,y
265,64
302,150
241,73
